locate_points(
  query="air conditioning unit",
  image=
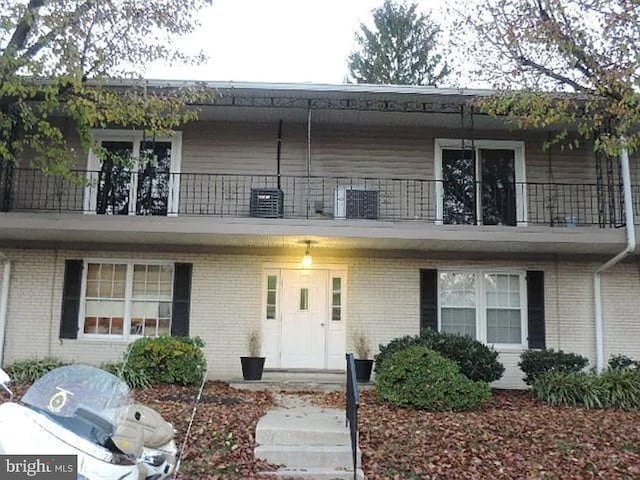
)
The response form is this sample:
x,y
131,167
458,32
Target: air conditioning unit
x,y
356,202
266,203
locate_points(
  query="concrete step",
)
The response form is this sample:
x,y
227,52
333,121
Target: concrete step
x,y
308,456
317,474
303,426
295,380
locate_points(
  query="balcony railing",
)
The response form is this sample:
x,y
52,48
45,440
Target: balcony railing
x,y
316,197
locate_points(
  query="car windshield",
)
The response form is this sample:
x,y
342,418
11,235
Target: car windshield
x,y
65,390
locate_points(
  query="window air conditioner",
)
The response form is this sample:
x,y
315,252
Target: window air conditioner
x,y
266,203
356,202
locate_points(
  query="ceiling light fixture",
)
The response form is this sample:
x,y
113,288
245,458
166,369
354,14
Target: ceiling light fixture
x,y
307,260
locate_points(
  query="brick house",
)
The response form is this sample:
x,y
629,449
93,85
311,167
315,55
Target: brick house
x,y
417,213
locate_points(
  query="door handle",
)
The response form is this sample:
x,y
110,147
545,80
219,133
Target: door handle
x,y
322,324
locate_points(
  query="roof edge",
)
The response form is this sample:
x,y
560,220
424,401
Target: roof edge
x,y
302,87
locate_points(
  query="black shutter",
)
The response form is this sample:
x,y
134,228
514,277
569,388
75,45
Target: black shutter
x,y
428,299
535,308
71,292
181,299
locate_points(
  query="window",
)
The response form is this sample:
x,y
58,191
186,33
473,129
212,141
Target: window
x,y
272,285
304,299
487,306
336,299
133,175
127,299
480,185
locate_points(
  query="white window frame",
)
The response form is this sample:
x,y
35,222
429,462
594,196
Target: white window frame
x,y
135,137
522,211
481,305
128,300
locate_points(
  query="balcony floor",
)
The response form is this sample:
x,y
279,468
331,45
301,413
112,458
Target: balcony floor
x,y
36,230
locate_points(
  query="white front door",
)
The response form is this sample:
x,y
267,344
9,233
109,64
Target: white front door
x,y
304,317
304,313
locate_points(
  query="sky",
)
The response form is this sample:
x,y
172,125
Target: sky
x,y
277,40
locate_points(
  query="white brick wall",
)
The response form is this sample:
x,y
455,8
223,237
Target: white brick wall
x,y
383,298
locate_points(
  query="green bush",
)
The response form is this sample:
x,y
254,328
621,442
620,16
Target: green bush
x,y
623,362
622,389
477,361
559,387
174,360
133,377
30,370
612,389
419,377
536,362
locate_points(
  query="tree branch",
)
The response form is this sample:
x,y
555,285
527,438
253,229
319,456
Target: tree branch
x,y
46,39
556,76
23,27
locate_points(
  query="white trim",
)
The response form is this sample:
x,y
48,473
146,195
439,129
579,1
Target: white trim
x,y
518,147
481,307
126,323
135,137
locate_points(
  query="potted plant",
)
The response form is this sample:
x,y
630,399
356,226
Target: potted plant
x,y
363,361
253,365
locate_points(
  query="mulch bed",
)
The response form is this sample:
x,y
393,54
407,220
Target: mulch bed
x,y
514,436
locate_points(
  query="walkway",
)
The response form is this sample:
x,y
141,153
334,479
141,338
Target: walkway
x,y
311,442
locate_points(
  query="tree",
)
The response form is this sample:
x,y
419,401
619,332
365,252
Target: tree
x,y
60,58
577,62
401,50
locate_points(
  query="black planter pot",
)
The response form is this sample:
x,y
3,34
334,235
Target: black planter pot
x,y
252,367
363,370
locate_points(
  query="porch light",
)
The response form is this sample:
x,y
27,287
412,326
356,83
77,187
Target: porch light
x,y
307,260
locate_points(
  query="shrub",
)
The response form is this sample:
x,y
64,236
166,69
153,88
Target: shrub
x,y
135,378
536,362
477,361
30,370
622,389
559,387
175,360
419,377
623,362
614,389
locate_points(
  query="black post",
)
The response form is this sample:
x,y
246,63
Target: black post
x,y
353,403
279,152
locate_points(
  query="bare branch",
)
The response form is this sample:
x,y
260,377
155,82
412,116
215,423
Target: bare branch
x,y
24,27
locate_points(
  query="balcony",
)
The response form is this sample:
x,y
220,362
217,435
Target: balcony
x,y
317,198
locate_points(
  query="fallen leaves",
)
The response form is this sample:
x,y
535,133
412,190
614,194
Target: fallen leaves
x,y
513,436
222,437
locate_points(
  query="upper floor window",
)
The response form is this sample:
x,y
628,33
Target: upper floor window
x,y
131,174
482,183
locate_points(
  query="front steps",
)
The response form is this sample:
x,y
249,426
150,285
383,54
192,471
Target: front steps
x,y
295,380
311,442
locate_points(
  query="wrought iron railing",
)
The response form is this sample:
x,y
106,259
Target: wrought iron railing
x,y
317,197
352,406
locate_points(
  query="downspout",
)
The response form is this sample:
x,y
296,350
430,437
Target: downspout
x,y
4,300
308,157
631,246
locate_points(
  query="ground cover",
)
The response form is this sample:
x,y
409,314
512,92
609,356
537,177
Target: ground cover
x,y
514,436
